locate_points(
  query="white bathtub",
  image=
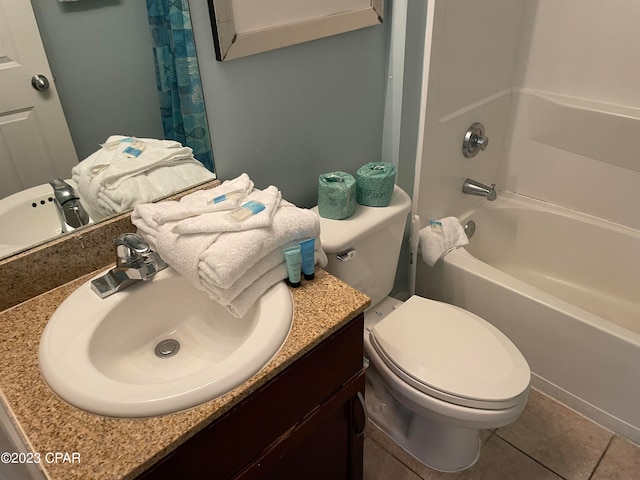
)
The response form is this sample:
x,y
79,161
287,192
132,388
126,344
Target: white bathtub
x,y
565,288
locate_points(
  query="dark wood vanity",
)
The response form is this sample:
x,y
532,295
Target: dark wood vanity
x,y
306,423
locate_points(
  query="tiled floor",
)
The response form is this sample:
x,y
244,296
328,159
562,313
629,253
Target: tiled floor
x,y
548,441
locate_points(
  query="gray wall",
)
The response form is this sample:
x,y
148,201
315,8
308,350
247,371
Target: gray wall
x,y
100,54
288,115
284,117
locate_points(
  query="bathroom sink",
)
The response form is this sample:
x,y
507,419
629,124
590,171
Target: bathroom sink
x,y
157,347
28,217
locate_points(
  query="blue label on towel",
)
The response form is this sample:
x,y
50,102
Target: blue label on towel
x,y
218,199
132,152
253,206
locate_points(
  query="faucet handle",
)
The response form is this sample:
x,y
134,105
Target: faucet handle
x,y
62,191
130,247
474,140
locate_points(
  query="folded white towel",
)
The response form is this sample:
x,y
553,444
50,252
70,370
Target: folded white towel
x,y
268,263
234,253
240,304
222,258
437,240
202,201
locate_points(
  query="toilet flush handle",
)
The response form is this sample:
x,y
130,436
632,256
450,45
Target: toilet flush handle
x,y
347,255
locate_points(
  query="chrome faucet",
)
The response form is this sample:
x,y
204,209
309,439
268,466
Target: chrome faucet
x,y
70,210
472,187
135,261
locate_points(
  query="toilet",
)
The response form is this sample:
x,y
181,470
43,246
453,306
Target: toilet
x,y
438,375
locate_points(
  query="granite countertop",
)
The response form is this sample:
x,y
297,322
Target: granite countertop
x,y
122,448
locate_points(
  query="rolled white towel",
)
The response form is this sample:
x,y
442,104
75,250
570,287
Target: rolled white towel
x,y
221,221
150,217
202,201
439,238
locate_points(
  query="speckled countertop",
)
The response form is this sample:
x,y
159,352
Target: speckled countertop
x,y
116,448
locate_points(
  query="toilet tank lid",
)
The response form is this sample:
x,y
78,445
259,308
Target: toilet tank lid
x,y
339,235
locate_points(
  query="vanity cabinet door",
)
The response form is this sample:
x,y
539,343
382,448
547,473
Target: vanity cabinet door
x,y
326,444
313,402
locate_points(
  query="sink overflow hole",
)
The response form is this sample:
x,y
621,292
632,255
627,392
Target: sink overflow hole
x,y
167,348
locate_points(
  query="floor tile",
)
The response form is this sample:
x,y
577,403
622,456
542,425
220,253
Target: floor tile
x,y
381,465
498,460
620,462
556,436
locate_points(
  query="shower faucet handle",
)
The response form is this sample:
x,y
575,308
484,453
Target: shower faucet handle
x,y
474,140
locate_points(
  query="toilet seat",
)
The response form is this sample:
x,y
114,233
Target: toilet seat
x,y
451,354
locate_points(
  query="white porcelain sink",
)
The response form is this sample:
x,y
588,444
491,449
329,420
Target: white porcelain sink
x,y
109,356
28,217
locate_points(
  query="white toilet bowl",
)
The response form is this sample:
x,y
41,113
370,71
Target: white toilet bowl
x,y
439,375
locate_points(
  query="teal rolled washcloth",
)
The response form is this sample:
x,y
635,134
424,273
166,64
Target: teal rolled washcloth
x,y
336,195
374,184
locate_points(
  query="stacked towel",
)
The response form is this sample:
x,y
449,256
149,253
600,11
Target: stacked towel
x,y
235,263
127,171
439,238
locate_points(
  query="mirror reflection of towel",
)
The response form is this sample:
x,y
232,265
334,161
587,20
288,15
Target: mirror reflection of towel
x,y
111,181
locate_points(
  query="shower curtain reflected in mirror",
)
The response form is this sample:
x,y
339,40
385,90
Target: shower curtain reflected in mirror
x,y
184,117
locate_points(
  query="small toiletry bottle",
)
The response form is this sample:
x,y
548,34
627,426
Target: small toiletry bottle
x,y
293,258
308,258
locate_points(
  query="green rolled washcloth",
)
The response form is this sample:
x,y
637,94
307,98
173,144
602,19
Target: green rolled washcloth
x,y
374,184
336,195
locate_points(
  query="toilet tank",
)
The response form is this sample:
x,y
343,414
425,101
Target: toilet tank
x,y
363,250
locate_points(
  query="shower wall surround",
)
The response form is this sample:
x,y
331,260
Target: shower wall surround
x,y
576,108
554,83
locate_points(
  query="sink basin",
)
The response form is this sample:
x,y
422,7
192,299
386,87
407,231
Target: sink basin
x,y
158,346
28,217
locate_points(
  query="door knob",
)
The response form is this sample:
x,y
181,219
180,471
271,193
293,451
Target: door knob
x,y
40,82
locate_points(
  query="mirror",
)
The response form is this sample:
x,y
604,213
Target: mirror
x,y
247,27
101,54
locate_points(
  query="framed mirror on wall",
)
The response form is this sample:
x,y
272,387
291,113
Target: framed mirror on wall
x,y
92,94
246,27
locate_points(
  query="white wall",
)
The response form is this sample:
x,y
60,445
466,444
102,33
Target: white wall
x,y
471,57
555,82
576,114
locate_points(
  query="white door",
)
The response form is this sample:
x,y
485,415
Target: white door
x,y
35,143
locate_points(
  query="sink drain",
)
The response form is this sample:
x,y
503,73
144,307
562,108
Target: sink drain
x,y
167,348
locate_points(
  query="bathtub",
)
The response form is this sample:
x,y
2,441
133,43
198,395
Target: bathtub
x,y
565,288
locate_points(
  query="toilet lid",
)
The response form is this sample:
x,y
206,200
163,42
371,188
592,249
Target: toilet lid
x,y
451,354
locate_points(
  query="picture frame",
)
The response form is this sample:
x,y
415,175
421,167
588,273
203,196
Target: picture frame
x,y
247,27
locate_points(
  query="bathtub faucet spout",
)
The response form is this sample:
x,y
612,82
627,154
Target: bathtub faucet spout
x,y
472,187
